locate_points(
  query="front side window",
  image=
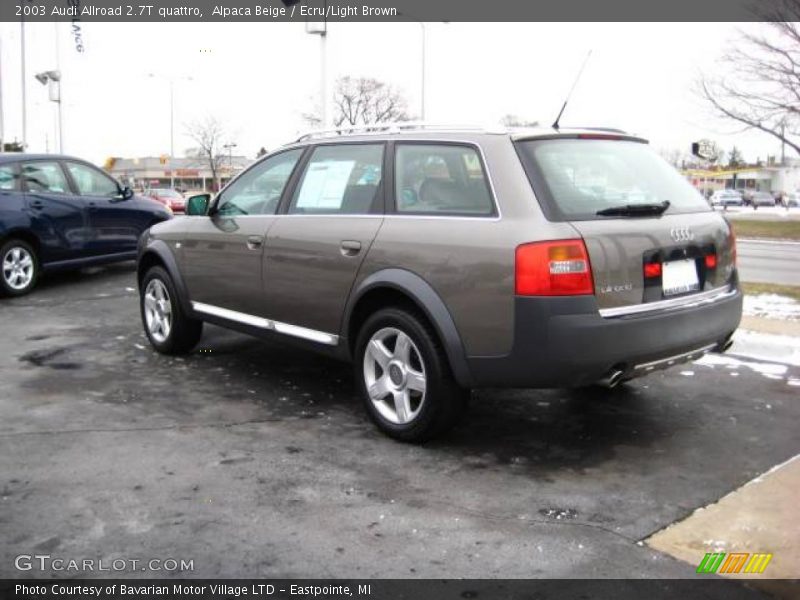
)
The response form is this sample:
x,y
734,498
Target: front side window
x,y
8,178
441,179
91,182
343,179
258,191
44,177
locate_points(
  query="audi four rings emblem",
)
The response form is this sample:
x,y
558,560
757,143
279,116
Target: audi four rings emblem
x,y
681,234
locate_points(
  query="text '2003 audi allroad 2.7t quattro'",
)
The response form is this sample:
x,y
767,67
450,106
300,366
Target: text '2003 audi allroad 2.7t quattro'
x,y
439,260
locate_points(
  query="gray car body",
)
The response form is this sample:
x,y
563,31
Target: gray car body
x,y
300,284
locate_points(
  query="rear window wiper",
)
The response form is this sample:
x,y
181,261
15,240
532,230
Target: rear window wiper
x,y
635,210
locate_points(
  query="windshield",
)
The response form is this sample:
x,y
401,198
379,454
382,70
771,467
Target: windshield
x,y
576,178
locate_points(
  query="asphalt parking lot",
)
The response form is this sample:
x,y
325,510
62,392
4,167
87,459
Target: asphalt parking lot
x,y
257,460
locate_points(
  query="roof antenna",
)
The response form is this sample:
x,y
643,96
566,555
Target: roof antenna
x,y
574,83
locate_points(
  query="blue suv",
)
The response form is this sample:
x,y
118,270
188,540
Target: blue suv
x,y
59,212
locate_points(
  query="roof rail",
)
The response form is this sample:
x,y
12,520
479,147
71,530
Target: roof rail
x,y
398,127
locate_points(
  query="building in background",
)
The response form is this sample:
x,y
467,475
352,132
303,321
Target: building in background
x,y
186,173
748,179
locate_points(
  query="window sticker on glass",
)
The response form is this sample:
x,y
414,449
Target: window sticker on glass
x,y
324,184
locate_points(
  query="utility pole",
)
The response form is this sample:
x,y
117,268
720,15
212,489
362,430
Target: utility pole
x,y
60,97
2,121
24,99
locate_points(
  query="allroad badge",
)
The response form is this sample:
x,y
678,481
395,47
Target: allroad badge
x,y
681,234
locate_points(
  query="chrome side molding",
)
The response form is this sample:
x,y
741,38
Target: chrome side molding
x,y
305,333
671,304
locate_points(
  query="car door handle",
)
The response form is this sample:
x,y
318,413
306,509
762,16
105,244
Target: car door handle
x,y
254,242
37,204
350,247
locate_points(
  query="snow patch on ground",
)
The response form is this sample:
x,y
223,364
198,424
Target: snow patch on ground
x,y
770,370
772,306
771,356
783,349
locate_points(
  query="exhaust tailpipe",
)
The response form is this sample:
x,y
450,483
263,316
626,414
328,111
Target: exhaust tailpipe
x,y
724,346
611,380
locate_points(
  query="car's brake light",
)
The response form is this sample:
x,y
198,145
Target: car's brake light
x,y
711,261
652,270
555,268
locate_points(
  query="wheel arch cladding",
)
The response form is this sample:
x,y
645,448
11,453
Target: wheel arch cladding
x,y
24,235
157,253
397,286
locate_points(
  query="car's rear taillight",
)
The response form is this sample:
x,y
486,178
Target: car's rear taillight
x,y
711,261
556,268
652,270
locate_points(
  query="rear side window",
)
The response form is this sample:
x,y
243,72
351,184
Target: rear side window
x,y
9,182
91,182
445,179
341,179
44,177
575,178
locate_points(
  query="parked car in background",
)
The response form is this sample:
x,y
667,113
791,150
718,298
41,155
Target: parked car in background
x,y
792,199
762,199
168,197
442,260
727,198
59,212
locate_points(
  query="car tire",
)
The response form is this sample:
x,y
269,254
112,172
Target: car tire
x,y
404,377
19,268
166,325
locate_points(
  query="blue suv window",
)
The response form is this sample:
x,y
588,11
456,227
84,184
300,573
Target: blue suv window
x,y
91,182
9,182
44,177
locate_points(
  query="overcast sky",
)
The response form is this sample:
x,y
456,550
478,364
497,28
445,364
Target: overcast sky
x,y
259,78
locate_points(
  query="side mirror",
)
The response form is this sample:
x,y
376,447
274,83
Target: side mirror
x,y
127,193
197,205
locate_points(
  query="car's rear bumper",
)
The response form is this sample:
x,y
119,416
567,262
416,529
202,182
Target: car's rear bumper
x,y
564,342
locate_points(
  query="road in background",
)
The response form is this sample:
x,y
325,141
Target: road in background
x,y
769,262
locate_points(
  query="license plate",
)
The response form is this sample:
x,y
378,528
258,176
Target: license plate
x,y
679,277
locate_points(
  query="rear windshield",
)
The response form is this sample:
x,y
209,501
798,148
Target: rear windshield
x,y
575,178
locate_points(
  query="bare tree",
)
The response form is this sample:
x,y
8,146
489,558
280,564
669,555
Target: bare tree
x,y
364,101
762,89
208,134
735,158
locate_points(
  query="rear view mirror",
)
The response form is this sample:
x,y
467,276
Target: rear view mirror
x,y
197,205
127,193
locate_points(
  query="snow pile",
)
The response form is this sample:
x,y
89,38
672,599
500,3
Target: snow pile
x,y
772,306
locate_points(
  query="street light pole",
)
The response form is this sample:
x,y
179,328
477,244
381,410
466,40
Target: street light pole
x,y
52,79
171,80
323,85
321,29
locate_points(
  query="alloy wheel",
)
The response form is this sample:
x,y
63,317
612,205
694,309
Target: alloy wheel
x,y
394,374
18,268
157,310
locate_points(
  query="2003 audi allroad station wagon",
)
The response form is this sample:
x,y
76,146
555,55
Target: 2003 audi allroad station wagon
x,y
440,260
